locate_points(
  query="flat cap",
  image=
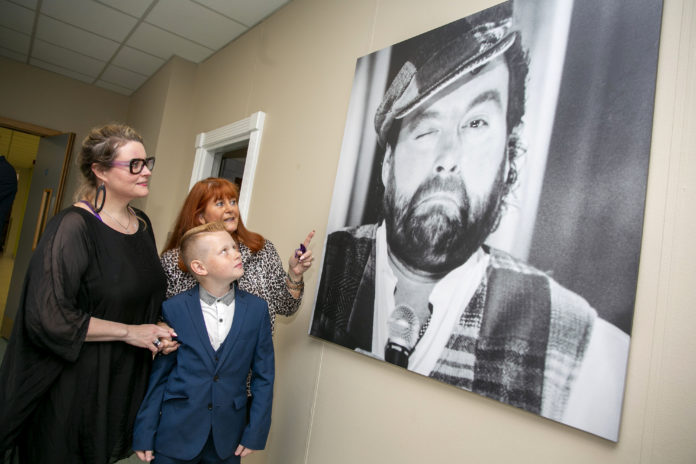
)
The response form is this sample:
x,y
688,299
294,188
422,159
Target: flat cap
x,y
439,57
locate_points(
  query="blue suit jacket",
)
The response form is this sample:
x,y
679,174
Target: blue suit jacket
x,y
196,388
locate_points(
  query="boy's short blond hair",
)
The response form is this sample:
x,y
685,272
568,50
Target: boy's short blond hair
x,y
187,246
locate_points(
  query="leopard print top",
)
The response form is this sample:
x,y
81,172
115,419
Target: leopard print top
x,y
264,276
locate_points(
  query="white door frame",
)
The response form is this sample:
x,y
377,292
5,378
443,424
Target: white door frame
x,y
211,145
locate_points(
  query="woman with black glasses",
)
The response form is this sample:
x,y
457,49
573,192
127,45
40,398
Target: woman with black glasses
x,y
77,364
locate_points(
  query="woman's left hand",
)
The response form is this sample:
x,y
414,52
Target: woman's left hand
x,y
301,260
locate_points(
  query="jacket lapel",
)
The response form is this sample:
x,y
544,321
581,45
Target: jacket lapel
x,y
240,313
193,306
359,326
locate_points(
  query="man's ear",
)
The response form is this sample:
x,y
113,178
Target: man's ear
x,y
387,164
198,268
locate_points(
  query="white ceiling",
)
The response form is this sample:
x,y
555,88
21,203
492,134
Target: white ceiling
x,y
119,44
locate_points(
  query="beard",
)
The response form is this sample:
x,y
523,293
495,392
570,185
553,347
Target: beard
x,y
437,237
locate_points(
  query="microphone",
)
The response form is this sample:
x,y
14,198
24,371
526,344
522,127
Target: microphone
x,y
403,334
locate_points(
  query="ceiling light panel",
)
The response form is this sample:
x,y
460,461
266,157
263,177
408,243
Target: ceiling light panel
x,y
91,16
16,17
244,11
31,4
135,60
195,22
67,36
80,38
123,77
11,54
132,7
14,41
68,59
61,70
163,44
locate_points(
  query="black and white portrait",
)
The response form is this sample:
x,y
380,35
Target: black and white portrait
x,y
487,215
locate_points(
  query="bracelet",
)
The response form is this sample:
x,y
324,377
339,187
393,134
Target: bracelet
x,y
296,282
293,286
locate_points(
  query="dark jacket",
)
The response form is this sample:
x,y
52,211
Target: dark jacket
x,y
198,389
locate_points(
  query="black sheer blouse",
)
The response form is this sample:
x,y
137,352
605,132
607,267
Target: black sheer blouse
x,y
61,399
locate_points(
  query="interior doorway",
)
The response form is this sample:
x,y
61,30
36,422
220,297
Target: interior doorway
x,y
40,159
232,165
17,154
234,146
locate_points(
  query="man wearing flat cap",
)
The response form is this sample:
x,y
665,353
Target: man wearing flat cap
x,y
421,289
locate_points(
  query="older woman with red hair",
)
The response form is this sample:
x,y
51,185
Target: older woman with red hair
x,y
216,199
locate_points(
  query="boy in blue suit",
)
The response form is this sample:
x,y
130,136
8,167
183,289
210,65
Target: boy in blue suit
x,y
195,408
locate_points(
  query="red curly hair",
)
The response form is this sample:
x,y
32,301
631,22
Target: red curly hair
x,y
212,188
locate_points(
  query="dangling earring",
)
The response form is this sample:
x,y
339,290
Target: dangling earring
x,y
101,189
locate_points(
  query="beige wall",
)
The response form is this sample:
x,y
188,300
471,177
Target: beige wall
x,y
332,406
47,99
162,112
335,407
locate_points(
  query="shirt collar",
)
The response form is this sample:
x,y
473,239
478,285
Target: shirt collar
x,y
209,299
385,284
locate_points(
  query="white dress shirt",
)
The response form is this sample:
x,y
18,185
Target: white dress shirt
x,y
218,314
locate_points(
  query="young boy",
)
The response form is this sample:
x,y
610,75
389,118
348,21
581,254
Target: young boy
x,y
195,408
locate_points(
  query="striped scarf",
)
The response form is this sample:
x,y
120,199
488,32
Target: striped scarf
x,y
520,339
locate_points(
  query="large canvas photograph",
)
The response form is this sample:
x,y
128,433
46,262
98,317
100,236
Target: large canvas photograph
x,y
487,215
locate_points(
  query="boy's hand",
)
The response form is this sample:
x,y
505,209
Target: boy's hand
x,y
167,345
243,451
146,456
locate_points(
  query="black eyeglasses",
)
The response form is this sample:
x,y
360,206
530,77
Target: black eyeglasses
x,y
136,165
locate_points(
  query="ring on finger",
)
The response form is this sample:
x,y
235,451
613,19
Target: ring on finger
x,y
157,342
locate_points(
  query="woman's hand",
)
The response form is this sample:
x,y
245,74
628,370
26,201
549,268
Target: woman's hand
x,y
301,260
150,336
